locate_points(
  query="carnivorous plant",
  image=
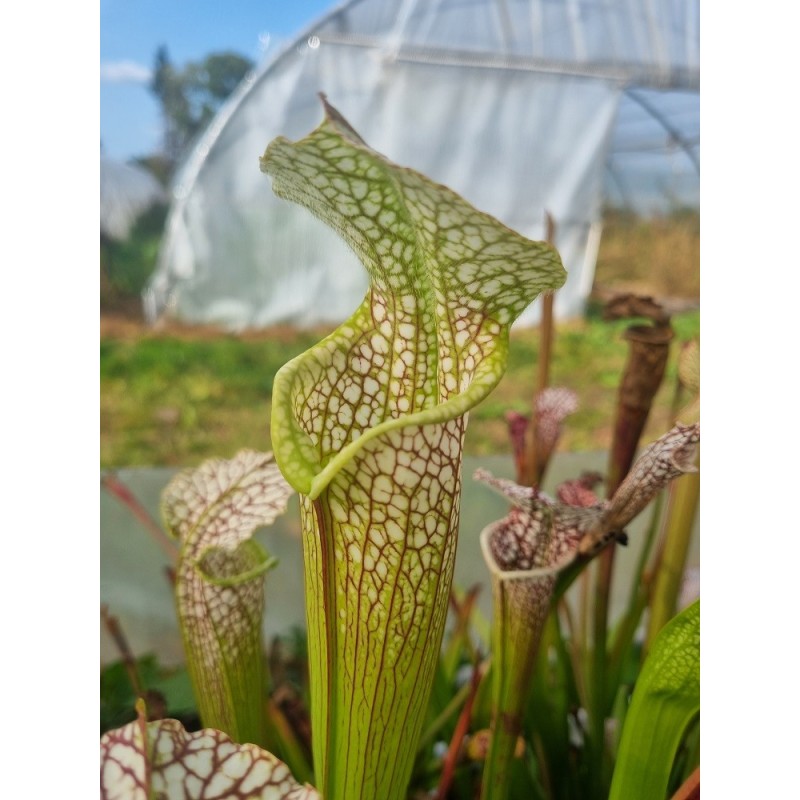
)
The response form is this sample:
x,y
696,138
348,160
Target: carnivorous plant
x,y
368,427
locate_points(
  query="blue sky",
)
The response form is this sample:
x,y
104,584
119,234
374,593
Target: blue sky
x,y
130,33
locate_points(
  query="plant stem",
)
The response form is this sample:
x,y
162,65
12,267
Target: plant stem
x,y
462,726
644,371
126,654
683,502
637,601
521,607
532,459
690,788
459,698
113,484
544,772
293,751
573,650
459,639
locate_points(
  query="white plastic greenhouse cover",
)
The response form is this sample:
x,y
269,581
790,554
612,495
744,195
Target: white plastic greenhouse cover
x,y
521,106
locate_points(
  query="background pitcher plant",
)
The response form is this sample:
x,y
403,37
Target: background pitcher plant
x,y
526,550
213,512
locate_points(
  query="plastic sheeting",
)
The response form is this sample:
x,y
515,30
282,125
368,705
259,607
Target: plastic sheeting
x,y
521,107
126,192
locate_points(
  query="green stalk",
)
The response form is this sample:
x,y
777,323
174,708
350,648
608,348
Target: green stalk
x,y
572,653
459,638
459,734
448,712
283,739
521,603
555,696
683,503
637,602
684,499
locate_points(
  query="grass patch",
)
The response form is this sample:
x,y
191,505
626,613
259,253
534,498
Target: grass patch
x,y
183,394
658,256
175,400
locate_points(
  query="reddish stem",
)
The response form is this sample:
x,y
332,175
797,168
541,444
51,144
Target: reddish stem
x,y
690,788
126,654
114,485
462,726
463,608
534,462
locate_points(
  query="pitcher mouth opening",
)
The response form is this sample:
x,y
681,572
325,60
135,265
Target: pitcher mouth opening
x,y
537,574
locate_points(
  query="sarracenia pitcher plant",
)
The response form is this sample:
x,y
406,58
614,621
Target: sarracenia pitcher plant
x,y
525,552
213,511
368,427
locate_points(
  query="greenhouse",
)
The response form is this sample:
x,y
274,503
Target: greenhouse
x,y
524,107
126,191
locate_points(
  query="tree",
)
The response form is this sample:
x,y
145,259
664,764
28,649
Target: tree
x,y
190,97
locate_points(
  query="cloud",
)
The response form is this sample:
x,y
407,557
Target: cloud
x,y
125,72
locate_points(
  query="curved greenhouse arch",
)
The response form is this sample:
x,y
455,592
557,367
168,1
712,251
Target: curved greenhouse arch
x,y
520,107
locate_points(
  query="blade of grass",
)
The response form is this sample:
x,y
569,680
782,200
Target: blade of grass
x,y
683,503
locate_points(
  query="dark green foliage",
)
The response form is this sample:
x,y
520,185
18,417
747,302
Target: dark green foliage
x,y
666,700
245,369
125,266
117,696
191,96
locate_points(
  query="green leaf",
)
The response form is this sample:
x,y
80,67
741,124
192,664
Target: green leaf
x,y
144,761
369,426
665,701
213,511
